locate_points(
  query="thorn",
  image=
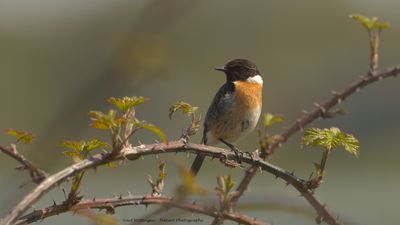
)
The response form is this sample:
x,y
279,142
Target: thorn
x,y
323,110
140,143
335,93
304,111
311,174
176,153
129,194
120,197
93,199
194,202
142,157
54,203
357,89
298,121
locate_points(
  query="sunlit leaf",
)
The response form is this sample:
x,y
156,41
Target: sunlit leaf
x,y
156,130
370,23
76,145
81,149
330,139
23,136
126,103
270,119
187,109
105,121
95,143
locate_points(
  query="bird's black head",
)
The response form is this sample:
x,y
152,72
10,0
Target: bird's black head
x,y
239,69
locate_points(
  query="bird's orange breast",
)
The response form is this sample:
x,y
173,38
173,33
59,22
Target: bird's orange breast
x,y
248,94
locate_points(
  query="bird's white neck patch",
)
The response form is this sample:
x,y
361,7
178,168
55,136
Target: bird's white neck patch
x,y
255,79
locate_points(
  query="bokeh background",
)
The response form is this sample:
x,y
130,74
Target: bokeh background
x,y
60,59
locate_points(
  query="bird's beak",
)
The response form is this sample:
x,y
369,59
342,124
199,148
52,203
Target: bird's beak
x,y
222,68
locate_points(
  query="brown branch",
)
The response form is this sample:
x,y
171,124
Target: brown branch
x,y
135,153
321,110
36,174
109,204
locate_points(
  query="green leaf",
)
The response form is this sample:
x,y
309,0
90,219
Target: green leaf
x,y
81,149
75,155
23,136
75,145
270,119
106,121
156,130
229,183
330,139
370,23
186,108
95,143
126,103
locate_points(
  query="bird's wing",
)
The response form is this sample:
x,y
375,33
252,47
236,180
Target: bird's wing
x,y
222,101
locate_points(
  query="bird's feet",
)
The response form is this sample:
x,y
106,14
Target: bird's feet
x,y
239,154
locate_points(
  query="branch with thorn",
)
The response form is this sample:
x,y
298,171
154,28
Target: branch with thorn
x,y
35,172
129,200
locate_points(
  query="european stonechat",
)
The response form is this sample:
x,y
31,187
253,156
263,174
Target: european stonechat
x,y
235,109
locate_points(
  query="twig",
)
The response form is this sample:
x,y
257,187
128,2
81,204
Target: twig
x,y
36,174
112,203
299,124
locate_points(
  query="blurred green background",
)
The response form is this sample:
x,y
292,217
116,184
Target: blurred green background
x,y
60,59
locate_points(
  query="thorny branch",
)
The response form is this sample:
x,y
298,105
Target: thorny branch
x,y
224,155
109,204
321,110
36,174
135,153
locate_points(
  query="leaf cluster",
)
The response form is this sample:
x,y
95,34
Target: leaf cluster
x,y
186,108
122,121
370,23
23,136
330,139
79,150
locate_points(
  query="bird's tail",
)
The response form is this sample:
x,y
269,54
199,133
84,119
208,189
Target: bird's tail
x,y
198,161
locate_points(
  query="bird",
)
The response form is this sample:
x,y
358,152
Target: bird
x,y
235,109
